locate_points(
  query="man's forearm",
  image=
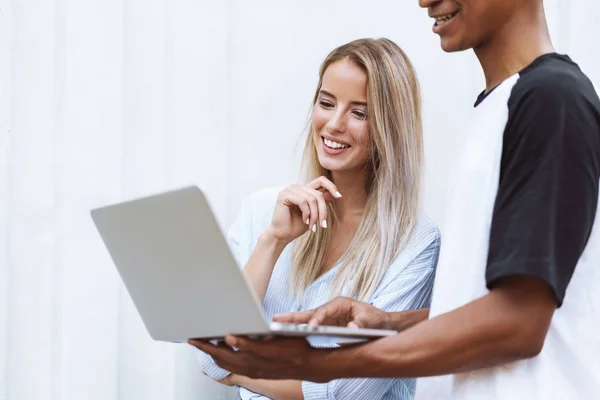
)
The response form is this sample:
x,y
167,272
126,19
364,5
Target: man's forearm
x,y
402,320
481,334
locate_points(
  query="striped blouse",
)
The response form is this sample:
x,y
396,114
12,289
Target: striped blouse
x,y
407,284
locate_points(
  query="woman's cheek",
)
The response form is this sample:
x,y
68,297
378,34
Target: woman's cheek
x,y
360,133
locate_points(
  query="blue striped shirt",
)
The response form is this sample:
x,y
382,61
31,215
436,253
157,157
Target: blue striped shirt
x,y
407,284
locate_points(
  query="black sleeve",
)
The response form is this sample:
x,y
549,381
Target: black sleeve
x,y
548,189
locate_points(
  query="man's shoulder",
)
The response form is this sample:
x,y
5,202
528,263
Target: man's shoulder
x,y
554,79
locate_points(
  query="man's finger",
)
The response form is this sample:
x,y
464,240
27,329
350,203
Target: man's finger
x,y
209,348
318,317
225,365
200,343
301,317
223,356
323,314
259,349
245,344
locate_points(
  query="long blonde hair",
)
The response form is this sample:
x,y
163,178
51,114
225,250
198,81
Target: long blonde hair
x,y
394,112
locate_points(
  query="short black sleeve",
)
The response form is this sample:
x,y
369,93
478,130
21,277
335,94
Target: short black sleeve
x,y
550,169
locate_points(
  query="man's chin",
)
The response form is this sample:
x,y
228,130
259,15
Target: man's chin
x,y
450,45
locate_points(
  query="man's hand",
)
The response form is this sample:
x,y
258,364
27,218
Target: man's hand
x,y
341,311
509,323
277,358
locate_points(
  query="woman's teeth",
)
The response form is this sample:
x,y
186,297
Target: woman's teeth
x,y
334,145
444,19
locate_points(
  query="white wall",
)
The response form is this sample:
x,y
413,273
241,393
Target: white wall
x,y
104,100
274,71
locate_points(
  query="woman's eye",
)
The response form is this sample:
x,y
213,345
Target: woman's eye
x,y
325,104
360,114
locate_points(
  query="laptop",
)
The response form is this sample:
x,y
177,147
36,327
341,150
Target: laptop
x,y
183,279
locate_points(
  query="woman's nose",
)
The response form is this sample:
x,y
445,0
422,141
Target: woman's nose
x,y
337,123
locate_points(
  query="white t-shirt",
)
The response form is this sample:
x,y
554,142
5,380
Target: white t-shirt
x,y
524,201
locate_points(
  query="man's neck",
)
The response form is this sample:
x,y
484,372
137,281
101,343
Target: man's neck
x,y
522,40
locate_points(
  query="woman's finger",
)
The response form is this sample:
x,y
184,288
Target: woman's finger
x,y
313,205
324,183
321,205
295,197
300,195
314,211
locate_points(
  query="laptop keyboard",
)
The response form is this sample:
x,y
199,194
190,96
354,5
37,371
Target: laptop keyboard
x,y
300,328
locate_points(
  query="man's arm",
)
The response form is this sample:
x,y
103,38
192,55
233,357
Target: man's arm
x,y
402,320
345,311
508,324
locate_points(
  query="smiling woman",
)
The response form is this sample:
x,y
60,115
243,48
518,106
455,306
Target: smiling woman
x,y
353,226
366,132
339,119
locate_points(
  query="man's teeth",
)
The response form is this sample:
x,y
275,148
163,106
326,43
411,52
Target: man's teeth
x,y
334,145
442,20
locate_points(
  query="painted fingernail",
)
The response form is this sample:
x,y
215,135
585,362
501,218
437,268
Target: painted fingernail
x,y
314,228
338,194
324,224
307,221
231,340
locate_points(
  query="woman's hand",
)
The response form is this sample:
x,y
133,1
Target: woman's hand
x,y
229,380
301,207
274,389
297,208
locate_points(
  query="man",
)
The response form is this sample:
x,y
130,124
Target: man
x,y
516,303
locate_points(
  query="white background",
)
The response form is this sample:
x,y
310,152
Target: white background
x,y
105,100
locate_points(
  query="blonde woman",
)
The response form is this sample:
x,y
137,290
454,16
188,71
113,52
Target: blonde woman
x,y
353,227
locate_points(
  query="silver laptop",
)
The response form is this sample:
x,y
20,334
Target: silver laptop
x,y
182,277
